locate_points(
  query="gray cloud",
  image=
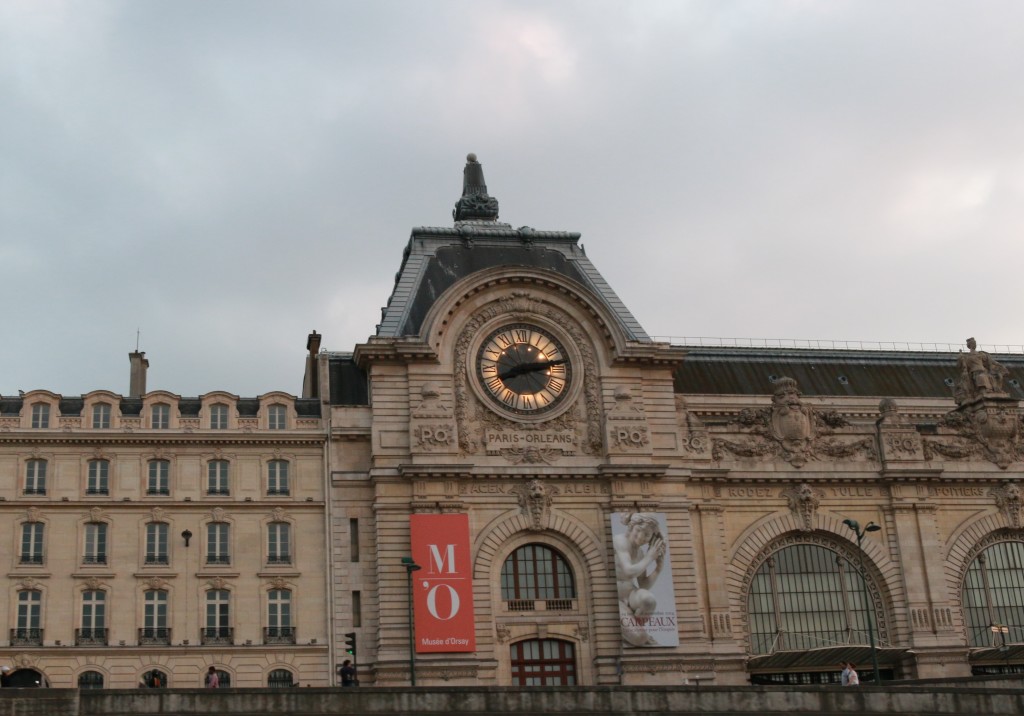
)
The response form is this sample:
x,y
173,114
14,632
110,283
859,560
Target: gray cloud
x,y
227,176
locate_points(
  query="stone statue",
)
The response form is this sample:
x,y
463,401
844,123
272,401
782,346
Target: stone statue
x,y
979,375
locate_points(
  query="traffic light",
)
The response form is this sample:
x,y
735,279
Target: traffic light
x,y
350,644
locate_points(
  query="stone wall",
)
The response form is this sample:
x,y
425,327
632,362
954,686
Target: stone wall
x,y
991,697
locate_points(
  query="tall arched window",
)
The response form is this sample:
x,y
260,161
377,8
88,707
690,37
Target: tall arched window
x,y
279,618
159,482
543,662
35,477
277,478
993,595
535,571
94,619
806,597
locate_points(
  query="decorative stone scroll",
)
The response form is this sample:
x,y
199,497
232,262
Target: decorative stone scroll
x,y
793,431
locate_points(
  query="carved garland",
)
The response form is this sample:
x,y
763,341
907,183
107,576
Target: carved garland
x,y
520,306
833,544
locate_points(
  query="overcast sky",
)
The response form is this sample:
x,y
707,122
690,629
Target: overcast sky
x,y
228,176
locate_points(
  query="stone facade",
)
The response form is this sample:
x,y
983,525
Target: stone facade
x,y
110,609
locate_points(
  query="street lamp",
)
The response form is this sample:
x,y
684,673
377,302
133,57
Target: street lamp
x,y
410,567
869,606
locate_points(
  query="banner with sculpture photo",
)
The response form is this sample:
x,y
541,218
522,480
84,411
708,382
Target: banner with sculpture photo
x,y
643,574
443,586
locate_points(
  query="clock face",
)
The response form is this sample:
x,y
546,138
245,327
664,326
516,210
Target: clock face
x,y
524,369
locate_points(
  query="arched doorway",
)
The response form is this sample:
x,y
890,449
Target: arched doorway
x,y
543,662
25,679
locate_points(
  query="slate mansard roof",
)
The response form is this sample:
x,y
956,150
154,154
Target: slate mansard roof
x,y
838,373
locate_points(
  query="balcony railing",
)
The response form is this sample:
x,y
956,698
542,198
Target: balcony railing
x,y
279,491
279,559
94,559
156,559
279,635
35,491
218,559
158,491
217,635
90,637
26,637
97,491
31,559
218,491
155,635
540,605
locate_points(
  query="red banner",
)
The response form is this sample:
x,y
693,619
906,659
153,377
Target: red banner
x,y
443,587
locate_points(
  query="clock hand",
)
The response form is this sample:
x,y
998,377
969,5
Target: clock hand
x,y
517,370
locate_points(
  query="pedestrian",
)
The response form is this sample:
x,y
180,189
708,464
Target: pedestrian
x,y
348,673
212,679
5,675
844,676
852,679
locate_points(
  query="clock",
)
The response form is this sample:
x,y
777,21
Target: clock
x,y
524,369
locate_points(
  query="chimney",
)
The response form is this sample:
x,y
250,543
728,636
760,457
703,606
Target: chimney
x,y
137,386
311,381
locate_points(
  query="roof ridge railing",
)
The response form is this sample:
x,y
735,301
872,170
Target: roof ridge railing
x,y
827,344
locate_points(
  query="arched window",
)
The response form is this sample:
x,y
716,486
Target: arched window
x,y
280,678
543,662
160,416
993,595
95,543
90,680
155,679
218,542
535,571
806,597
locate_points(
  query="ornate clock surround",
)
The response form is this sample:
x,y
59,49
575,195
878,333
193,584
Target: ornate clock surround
x,y
579,413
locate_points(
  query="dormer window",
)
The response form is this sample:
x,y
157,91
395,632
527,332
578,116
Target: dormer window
x,y
277,417
218,417
160,416
41,415
101,416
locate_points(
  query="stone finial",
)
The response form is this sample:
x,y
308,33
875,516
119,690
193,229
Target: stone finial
x,y
475,204
980,375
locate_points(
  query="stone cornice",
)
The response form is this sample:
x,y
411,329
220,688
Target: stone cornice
x,y
169,438
393,350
